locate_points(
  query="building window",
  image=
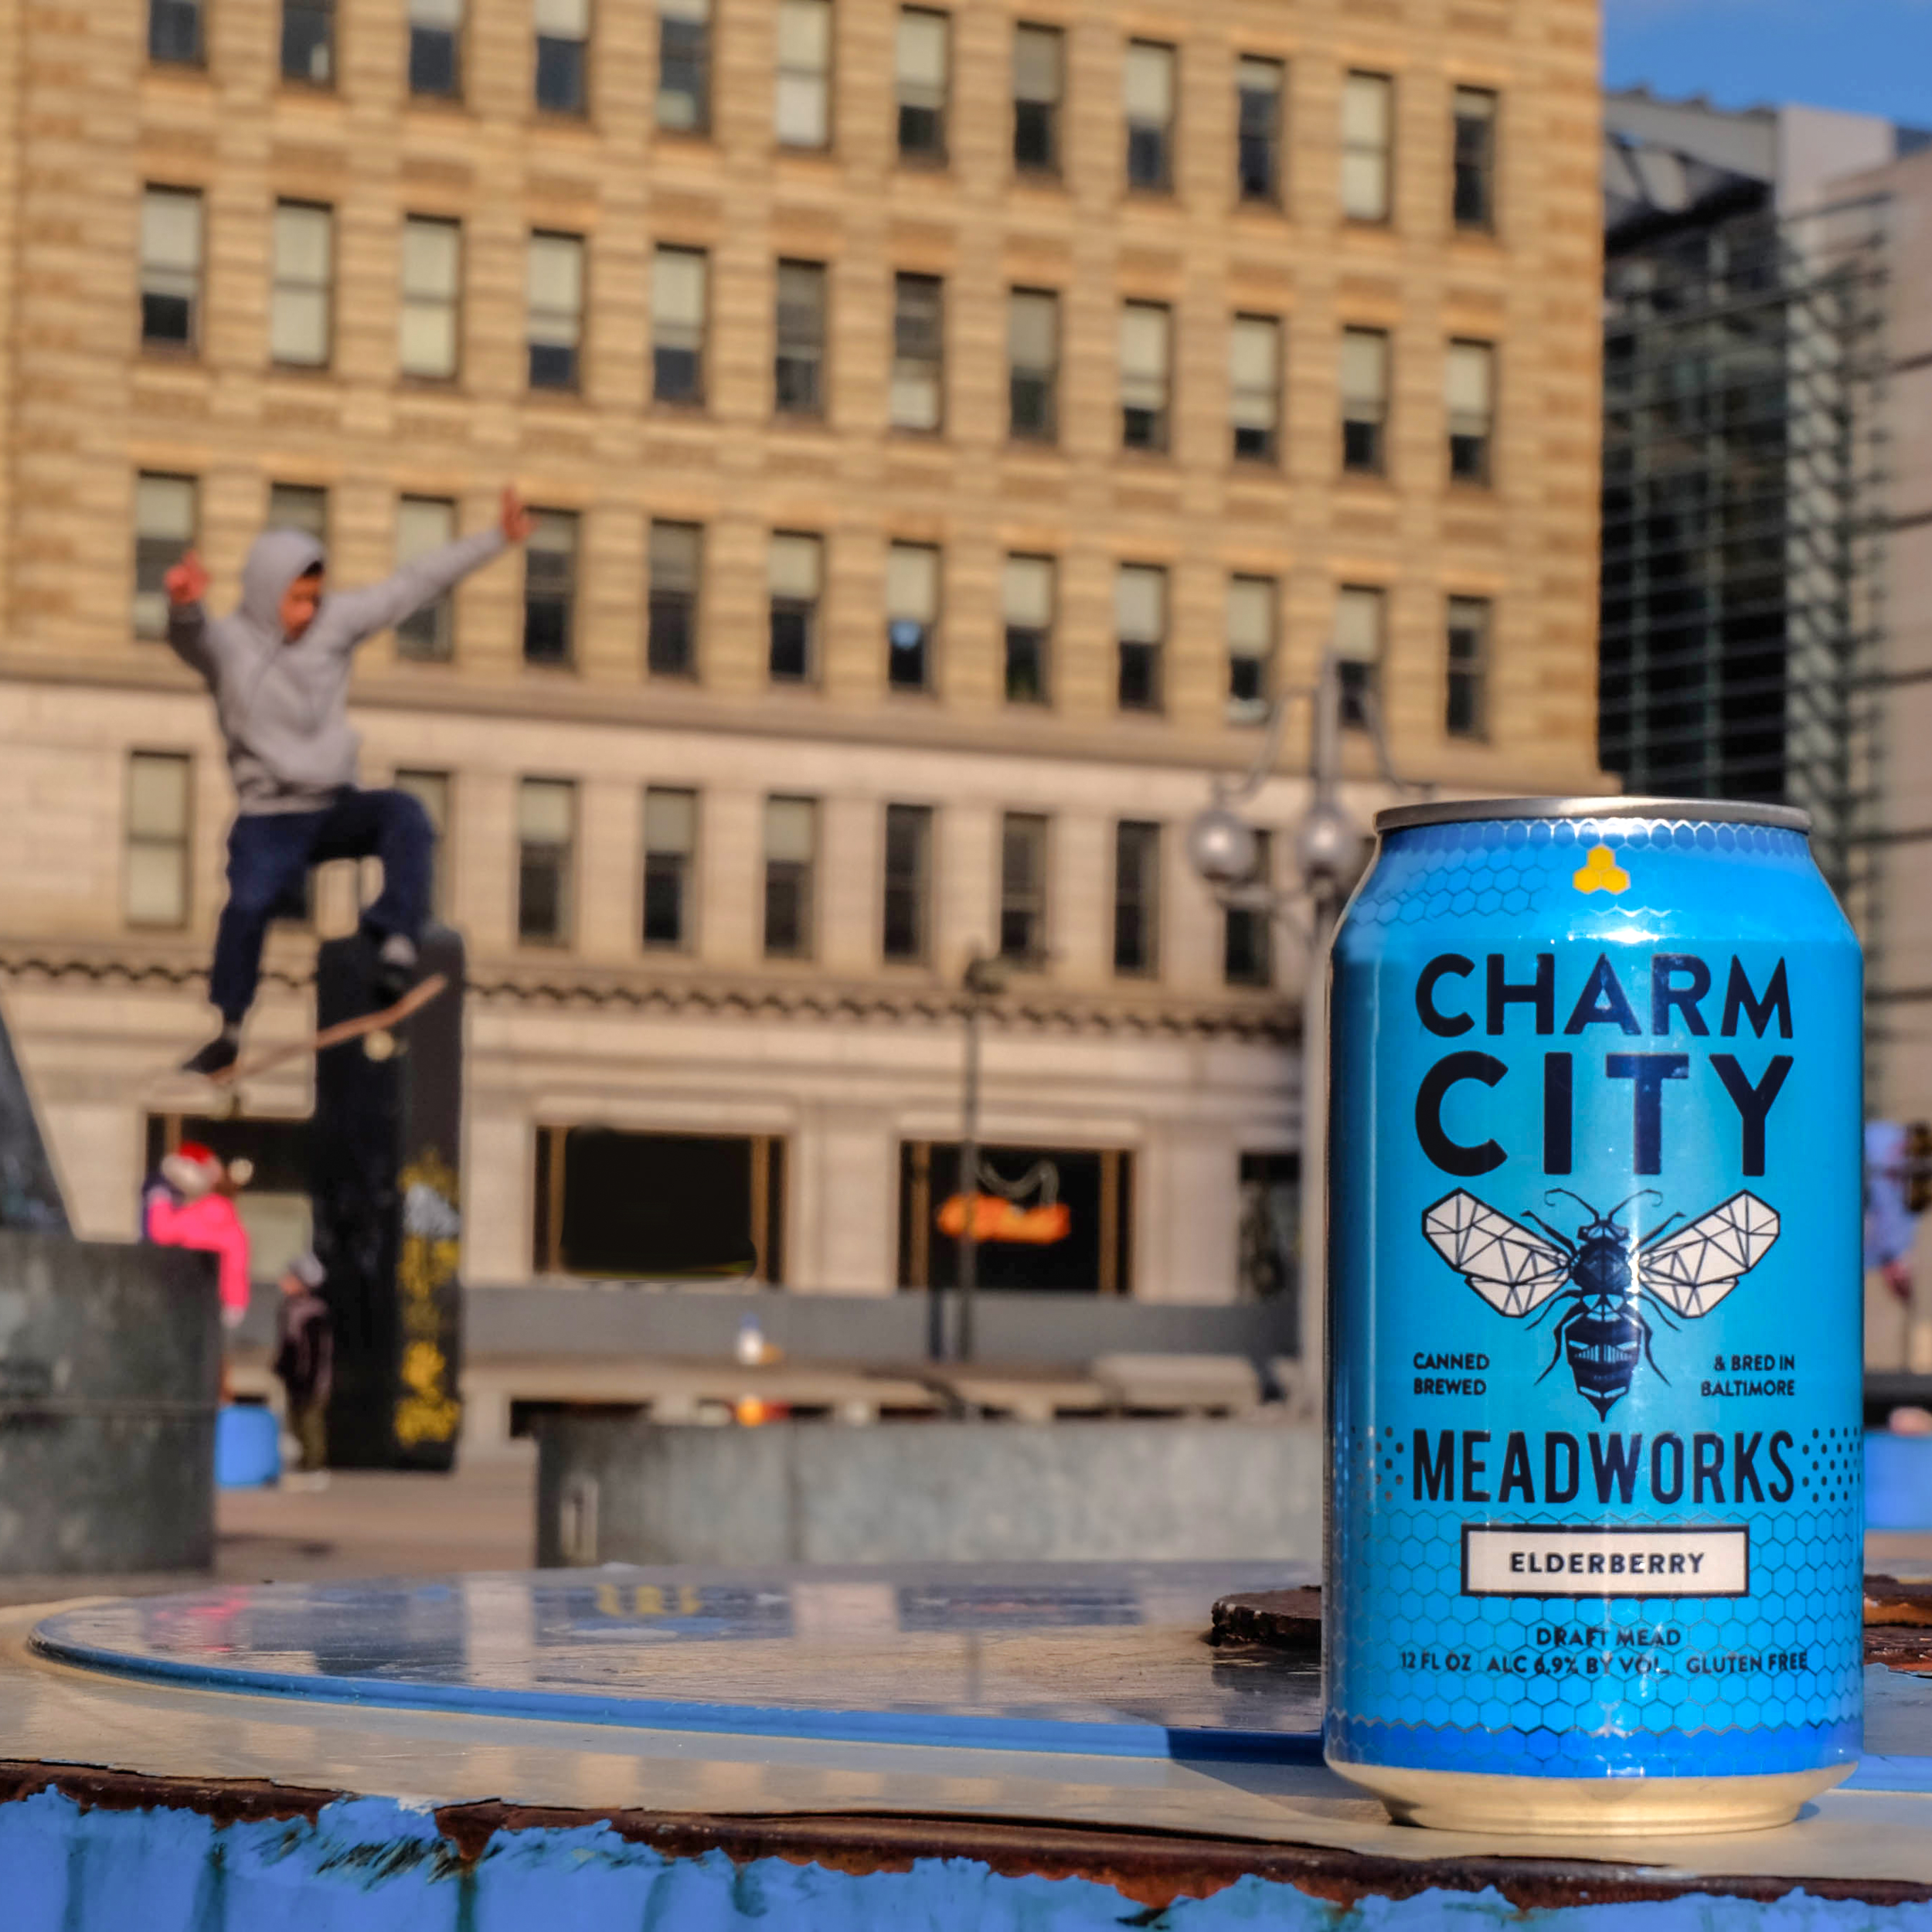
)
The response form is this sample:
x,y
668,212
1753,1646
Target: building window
x,y
1367,138
918,350
1147,97
157,873
164,516
431,791
670,847
798,366
912,615
1360,614
1022,888
1254,388
804,107
678,279
1365,399
436,49
656,1207
423,524
170,267
308,41
1038,58
920,61
562,50
546,812
174,31
550,589
1033,365
1027,592
1467,711
1145,387
1258,154
797,573
909,861
1140,605
1475,183
1469,382
1137,899
300,302
684,66
677,572
1251,608
1248,951
429,333
791,847
554,295
299,506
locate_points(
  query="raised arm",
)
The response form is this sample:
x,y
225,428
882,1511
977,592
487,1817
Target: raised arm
x,y
361,614
187,584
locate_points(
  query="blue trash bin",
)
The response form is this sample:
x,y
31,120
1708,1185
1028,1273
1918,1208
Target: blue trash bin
x,y
1898,1480
248,1451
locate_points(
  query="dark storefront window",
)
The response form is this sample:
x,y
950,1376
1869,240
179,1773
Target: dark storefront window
x,y
655,1207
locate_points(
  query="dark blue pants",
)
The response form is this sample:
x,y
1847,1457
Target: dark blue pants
x,y
270,855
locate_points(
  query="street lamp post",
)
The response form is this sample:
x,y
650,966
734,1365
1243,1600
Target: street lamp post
x,y
983,981
1330,851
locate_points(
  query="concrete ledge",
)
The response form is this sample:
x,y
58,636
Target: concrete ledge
x,y
621,1488
110,1361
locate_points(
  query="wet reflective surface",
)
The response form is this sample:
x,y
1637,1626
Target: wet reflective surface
x,y
1074,1658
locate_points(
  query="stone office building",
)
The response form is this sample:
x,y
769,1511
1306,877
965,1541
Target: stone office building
x,y
951,425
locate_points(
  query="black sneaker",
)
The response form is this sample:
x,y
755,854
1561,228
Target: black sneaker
x,y
217,1056
396,968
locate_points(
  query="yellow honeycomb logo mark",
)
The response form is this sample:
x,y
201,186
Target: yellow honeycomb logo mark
x,y
1600,872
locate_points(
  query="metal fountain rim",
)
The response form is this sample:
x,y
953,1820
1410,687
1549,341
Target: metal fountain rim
x,y
1457,811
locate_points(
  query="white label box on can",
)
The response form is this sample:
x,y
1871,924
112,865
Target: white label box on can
x,y
1515,1560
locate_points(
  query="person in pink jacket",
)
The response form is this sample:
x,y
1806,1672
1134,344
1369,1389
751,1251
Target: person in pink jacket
x,y
185,1205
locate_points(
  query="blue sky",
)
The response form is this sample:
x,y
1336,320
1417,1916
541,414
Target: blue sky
x,y
1868,56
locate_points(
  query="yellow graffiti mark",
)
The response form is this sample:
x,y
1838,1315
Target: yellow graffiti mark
x,y
429,1411
427,1414
1601,872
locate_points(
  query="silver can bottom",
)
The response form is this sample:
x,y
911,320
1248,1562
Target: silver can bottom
x,y
1593,1806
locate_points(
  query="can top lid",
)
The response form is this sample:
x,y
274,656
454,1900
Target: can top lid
x,y
1459,811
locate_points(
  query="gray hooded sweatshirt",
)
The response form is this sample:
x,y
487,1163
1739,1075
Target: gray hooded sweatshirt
x,y
283,703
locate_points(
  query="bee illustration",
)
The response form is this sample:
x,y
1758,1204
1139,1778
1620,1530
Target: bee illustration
x,y
1606,1278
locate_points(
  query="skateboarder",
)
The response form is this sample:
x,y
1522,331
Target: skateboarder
x,y
279,668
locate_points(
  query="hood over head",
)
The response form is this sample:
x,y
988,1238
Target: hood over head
x,y
276,559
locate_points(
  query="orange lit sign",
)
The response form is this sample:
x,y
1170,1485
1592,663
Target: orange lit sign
x,y
998,1219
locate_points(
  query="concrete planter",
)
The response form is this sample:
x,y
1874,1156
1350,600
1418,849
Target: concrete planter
x,y
110,1365
618,1487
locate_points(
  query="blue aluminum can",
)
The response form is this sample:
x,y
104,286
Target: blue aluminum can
x,y
1594,1312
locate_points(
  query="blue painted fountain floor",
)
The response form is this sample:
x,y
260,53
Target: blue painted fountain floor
x,y
1103,1659
1024,1698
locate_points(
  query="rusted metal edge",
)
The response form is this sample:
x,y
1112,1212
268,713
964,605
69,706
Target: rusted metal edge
x,y
227,1800
1151,1869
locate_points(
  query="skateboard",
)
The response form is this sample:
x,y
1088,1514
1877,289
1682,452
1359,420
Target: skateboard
x,y
374,1029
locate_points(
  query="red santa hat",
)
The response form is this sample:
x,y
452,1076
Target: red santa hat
x,y
191,1170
